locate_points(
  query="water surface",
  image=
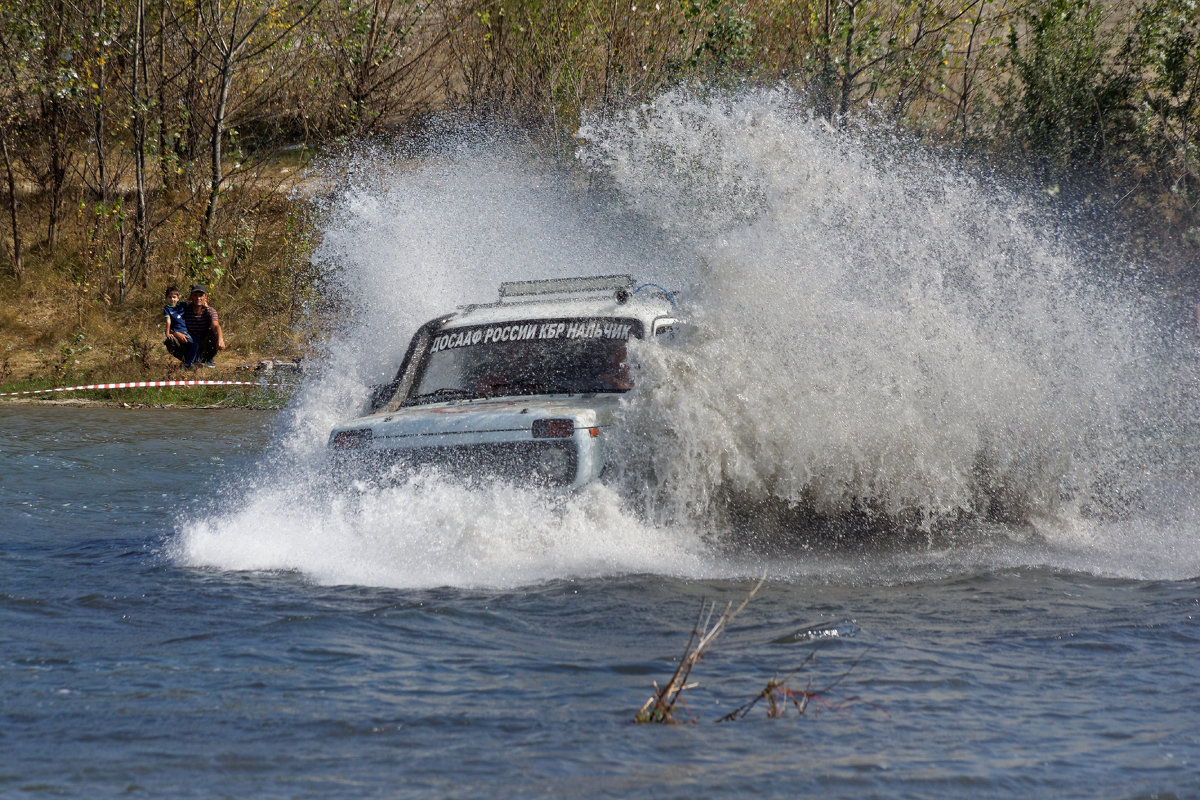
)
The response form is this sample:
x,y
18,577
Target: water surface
x,y
126,672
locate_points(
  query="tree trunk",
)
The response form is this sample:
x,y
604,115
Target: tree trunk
x,y
98,121
187,147
18,267
164,163
218,129
140,95
58,173
847,65
968,83
54,117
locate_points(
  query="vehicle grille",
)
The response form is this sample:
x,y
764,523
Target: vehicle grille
x,y
537,463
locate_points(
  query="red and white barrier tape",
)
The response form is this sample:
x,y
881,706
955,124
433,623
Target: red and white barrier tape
x,y
137,385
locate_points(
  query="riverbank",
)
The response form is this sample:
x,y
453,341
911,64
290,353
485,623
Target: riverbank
x,y
75,318
79,402
265,384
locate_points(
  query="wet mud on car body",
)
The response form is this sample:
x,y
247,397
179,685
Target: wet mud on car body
x,y
521,390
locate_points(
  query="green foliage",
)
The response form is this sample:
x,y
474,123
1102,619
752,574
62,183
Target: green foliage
x,y
728,38
287,291
1162,48
1111,92
1057,50
202,262
65,363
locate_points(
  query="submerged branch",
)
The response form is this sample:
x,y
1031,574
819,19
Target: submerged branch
x,y
660,707
778,695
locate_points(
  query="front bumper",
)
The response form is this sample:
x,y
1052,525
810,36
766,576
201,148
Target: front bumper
x,y
552,463
555,442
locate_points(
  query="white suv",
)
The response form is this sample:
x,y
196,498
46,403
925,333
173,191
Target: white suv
x,y
522,389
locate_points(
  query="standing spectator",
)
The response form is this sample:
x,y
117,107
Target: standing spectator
x,y
202,324
178,341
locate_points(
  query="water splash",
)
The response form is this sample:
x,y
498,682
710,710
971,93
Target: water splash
x,y
877,334
872,336
433,532
408,236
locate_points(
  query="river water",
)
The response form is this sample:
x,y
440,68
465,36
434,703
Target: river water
x,y
989,670
954,432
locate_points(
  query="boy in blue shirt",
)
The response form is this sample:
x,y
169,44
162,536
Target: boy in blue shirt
x,y
179,341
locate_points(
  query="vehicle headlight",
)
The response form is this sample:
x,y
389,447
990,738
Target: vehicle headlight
x,y
553,462
351,439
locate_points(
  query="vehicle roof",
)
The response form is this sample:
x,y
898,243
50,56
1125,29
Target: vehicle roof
x,y
645,308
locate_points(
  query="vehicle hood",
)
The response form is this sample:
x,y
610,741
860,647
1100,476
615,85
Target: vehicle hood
x,y
508,417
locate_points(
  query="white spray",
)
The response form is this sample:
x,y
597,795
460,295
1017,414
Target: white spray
x,y
876,334
868,332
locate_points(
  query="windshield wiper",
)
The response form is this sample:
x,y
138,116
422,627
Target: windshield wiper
x,y
446,393
525,387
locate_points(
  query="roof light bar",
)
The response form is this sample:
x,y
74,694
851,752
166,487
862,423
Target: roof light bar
x,y
594,283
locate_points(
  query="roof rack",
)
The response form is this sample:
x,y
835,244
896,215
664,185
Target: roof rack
x,y
594,283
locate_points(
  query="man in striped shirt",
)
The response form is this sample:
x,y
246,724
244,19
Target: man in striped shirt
x,y
205,328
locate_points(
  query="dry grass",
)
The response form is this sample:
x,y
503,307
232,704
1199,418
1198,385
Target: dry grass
x,y
69,320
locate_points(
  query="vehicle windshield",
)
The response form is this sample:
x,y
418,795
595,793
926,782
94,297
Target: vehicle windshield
x,y
547,356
